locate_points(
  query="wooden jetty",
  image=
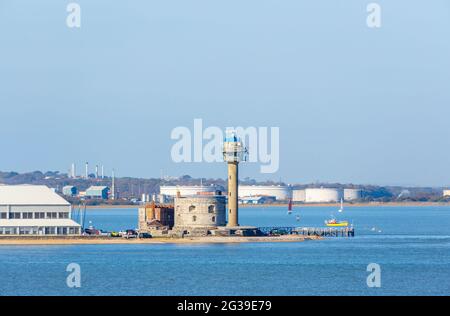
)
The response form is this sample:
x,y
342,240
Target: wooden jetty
x,y
310,231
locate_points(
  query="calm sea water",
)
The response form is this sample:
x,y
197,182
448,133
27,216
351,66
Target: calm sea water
x,y
411,244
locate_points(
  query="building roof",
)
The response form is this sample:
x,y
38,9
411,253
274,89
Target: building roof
x,y
29,195
38,222
97,188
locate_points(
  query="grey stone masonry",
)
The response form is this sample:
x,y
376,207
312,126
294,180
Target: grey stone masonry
x,y
200,211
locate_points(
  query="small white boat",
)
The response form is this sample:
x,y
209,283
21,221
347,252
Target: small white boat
x,y
342,206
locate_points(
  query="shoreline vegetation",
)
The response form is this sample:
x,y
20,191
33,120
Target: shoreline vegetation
x,y
157,240
356,204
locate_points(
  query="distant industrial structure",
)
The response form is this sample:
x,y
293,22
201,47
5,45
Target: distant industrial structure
x,y
326,195
186,190
73,171
97,175
323,195
35,210
279,192
352,194
113,185
97,192
298,195
70,190
86,170
259,199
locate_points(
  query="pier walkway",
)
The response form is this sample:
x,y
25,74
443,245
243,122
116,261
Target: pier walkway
x,y
310,231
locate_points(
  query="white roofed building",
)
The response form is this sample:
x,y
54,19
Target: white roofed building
x,y
35,210
188,190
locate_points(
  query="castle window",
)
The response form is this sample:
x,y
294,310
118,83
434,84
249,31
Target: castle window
x,y
211,209
191,208
194,218
213,219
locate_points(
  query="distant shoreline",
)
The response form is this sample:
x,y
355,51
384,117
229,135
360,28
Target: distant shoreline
x,y
371,204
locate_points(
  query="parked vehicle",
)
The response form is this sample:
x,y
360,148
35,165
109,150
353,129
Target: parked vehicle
x,y
91,231
278,232
130,233
145,235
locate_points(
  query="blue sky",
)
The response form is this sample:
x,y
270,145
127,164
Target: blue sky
x,y
353,104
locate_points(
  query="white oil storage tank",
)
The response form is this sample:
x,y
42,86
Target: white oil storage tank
x,y
352,194
188,190
298,195
323,195
280,192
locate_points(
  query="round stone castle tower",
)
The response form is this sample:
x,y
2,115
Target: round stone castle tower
x,y
200,211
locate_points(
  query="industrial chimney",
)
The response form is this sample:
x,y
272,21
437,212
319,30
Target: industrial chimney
x,y
113,186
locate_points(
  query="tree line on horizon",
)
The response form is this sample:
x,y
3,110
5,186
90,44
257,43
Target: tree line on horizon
x,y
130,187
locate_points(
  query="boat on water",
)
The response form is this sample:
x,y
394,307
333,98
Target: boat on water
x,y
342,206
335,223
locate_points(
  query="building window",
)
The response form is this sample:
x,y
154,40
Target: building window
x,y
26,231
9,230
39,215
194,218
211,209
73,230
213,219
62,231
191,208
2,215
52,215
63,215
50,230
14,215
27,215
